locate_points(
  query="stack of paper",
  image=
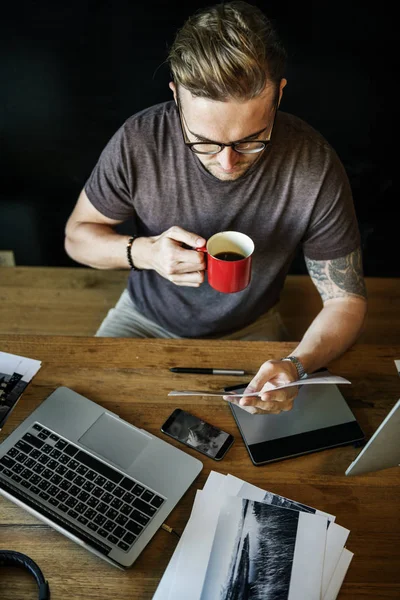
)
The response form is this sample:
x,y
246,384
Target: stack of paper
x,y
242,542
16,372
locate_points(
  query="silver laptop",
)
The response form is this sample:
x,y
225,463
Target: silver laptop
x,y
95,478
383,449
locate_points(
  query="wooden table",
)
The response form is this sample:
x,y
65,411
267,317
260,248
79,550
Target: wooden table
x,y
131,377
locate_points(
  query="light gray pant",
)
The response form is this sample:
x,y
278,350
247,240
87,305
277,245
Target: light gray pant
x,y
125,321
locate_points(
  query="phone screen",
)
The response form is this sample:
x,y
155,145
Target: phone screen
x,y
197,434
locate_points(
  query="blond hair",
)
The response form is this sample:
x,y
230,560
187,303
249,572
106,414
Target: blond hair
x,y
229,50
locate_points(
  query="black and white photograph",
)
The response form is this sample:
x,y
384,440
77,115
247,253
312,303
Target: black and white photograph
x,y
258,553
16,373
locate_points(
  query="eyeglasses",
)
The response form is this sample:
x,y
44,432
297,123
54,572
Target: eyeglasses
x,y
210,148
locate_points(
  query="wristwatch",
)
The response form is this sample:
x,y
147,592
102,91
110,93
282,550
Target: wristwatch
x,y
300,369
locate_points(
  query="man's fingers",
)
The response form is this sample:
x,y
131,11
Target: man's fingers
x,y
186,237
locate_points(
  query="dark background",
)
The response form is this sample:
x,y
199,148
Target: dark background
x,y
72,72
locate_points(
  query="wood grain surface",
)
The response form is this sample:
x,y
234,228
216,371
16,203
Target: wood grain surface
x,y
74,301
132,378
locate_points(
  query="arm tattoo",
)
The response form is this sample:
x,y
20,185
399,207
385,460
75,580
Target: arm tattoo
x,y
338,278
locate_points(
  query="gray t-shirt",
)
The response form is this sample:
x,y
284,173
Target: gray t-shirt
x,y
297,193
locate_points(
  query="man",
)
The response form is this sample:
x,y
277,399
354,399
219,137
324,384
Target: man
x,y
222,157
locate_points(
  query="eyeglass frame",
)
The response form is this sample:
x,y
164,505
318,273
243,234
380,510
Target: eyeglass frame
x,y
222,146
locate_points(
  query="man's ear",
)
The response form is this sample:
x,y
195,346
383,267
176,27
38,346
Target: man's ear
x,y
281,86
172,87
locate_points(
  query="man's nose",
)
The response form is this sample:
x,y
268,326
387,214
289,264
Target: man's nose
x,y
228,158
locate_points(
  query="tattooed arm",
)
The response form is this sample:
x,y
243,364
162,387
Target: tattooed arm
x,y
341,285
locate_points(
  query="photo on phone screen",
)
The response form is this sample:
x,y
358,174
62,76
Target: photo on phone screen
x,y
197,434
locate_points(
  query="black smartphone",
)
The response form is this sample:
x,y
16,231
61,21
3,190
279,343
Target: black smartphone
x,y
197,434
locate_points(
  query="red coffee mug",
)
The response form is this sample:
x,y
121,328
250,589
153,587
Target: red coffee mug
x,y
229,261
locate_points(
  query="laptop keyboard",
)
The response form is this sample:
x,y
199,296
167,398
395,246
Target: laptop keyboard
x,y
85,490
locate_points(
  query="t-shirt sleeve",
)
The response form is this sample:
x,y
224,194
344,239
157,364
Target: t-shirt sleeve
x,y
333,230
109,187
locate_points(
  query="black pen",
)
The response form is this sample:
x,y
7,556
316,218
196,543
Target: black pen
x,y
208,371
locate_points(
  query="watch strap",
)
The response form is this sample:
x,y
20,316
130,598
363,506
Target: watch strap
x,y
299,367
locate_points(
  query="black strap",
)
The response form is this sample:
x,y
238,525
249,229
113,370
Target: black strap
x,y
9,558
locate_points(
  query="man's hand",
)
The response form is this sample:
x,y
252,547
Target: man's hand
x,y
271,374
166,254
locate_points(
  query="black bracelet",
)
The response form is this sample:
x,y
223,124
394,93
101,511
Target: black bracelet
x,y
128,253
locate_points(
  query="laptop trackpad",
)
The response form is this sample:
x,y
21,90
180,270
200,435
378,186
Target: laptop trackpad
x,y
115,440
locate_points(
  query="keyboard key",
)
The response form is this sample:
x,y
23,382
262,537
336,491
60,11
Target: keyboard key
x,y
134,527
17,478
64,459
123,546
88,486
55,453
138,489
128,497
83,496
129,538
12,452
126,509
102,532
17,468
92,526
93,502
37,427
90,513
111,538
99,519
23,446
24,483
35,490
42,436
52,464
73,514
98,466
82,520
144,507
7,461
53,501
118,492
139,517
43,485
107,498
47,448
70,450
111,513
33,440
147,495
63,507
73,464
109,486
127,484
61,444
65,485
44,495
121,520
91,475
109,526
81,470
34,454
157,501
119,532
102,508
54,437
21,458
100,480
116,503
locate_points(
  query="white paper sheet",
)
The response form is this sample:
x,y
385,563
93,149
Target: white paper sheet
x,y
339,574
315,378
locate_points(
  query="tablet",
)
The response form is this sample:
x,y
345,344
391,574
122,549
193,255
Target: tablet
x,y
319,419
383,449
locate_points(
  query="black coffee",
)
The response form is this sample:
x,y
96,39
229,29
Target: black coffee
x,y
229,256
